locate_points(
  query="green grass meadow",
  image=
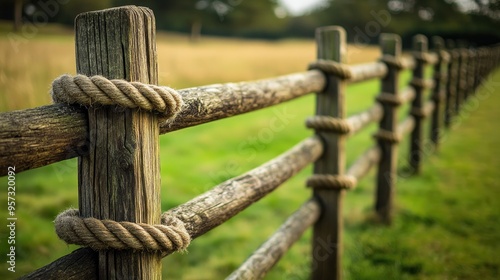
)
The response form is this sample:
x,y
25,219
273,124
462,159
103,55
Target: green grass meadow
x,y
446,224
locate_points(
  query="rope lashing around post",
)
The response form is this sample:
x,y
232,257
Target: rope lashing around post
x,y
343,71
327,181
389,99
330,124
89,91
424,57
444,56
393,62
97,234
388,136
422,83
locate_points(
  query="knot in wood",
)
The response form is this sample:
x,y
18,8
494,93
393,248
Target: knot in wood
x,y
343,71
389,99
387,136
336,182
330,124
97,234
98,90
393,62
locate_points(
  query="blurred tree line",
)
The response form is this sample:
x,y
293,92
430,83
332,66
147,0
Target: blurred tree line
x,y
364,20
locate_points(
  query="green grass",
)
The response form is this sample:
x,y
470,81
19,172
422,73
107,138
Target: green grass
x,y
446,225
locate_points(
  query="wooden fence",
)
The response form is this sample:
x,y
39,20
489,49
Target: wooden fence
x,y
118,149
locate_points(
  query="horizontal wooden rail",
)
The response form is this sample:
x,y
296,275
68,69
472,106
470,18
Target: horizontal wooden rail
x,y
406,126
210,209
407,95
37,137
364,163
216,206
363,119
269,253
367,71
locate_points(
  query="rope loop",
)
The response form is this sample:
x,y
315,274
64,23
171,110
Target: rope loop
x,y
422,83
418,112
343,71
89,91
389,99
423,57
330,124
393,62
97,234
336,182
388,136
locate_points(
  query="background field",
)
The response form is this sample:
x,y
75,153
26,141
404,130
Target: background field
x,y
446,224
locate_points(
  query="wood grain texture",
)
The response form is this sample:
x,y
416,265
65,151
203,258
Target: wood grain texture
x,y
327,262
209,210
119,179
224,201
45,135
387,167
269,253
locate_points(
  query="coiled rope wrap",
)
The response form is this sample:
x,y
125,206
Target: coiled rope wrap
x,y
340,70
326,181
330,124
97,234
389,99
98,90
388,136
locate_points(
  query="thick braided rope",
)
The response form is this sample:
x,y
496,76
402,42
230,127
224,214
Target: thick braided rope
x,y
97,234
388,136
329,67
423,57
389,98
89,91
327,123
393,61
325,181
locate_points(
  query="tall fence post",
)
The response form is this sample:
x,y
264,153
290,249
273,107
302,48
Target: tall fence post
x,y
471,72
327,231
451,85
387,168
119,179
461,78
419,49
439,91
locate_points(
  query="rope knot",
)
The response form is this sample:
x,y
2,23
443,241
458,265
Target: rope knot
x,y
89,91
389,99
393,61
388,136
343,71
97,234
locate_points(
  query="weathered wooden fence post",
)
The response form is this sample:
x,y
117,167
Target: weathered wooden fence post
x,y
327,232
119,179
419,49
451,85
439,91
461,78
387,168
471,72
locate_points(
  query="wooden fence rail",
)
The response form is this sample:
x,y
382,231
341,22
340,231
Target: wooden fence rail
x,y
119,173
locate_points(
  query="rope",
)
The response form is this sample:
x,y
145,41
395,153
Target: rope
x,y
93,90
97,234
422,83
337,182
418,112
327,123
329,67
389,99
423,57
388,136
392,62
